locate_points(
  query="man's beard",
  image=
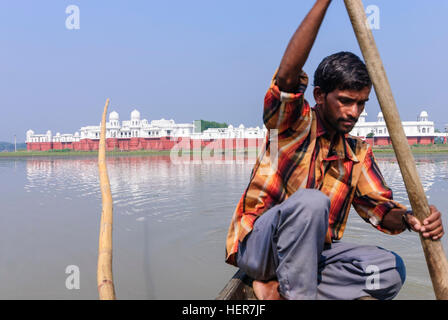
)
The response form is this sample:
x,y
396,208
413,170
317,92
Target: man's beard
x,y
344,128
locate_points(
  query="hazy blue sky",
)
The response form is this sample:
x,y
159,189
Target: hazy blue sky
x,y
197,59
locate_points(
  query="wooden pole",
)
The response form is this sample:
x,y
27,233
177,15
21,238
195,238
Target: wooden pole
x,y
105,281
434,253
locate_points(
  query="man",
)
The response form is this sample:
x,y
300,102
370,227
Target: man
x,y
286,228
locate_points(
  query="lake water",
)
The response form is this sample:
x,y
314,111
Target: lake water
x,y
170,224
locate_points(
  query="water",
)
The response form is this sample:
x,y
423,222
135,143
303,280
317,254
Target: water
x,y
170,224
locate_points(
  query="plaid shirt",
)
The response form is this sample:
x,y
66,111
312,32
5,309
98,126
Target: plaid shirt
x,y
304,157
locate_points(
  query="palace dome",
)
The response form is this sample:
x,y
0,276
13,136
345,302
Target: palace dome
x,y
135,115
423,116
114,116
380,117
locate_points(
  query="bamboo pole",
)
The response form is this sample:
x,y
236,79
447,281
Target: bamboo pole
x,y
433,250
105,281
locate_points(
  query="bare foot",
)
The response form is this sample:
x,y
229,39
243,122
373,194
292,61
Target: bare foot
x,y
267,290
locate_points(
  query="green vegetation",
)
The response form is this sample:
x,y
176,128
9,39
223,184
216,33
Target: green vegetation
x,y
416,148
201,125
62,150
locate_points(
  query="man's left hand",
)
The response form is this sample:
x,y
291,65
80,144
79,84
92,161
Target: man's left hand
x,y
431,227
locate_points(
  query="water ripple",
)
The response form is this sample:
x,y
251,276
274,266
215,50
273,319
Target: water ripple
x,y
188,207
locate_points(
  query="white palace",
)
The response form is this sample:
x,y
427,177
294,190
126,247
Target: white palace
x,y
142,128
421,131
421,127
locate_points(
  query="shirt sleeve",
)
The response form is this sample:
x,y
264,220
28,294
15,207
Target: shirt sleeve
x,y
373,198
284,110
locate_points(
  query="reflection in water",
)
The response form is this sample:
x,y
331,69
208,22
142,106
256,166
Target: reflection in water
x,y
139,184
172,219
177,215
142,183
426,169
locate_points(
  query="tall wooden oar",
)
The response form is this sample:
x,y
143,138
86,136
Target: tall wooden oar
x,y
435,256
105,281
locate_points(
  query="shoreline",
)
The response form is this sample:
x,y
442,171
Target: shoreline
x,y
27,154
434,149
417,149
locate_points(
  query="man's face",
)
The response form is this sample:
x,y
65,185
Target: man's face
x,y
340,109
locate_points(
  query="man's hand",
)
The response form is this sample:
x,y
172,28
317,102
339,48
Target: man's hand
x,y
432,226
300,46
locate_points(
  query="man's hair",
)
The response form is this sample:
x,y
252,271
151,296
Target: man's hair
x,y
343,71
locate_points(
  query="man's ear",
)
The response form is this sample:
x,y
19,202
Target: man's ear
x,y
319,96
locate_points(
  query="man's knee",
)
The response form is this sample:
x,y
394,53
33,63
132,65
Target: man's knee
x,y
397,281
390,279
312,197
308,204
400,267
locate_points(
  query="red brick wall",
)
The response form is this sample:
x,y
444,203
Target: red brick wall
x,y
164,143
426,140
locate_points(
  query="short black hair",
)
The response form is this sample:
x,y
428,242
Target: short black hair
x,y
343,71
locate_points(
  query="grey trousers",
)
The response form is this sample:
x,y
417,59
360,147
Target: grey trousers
x,y
287,243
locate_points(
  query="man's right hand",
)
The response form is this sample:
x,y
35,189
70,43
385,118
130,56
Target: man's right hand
x,y
300,46
431,227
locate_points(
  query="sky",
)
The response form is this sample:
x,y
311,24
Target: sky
x,y
197,59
